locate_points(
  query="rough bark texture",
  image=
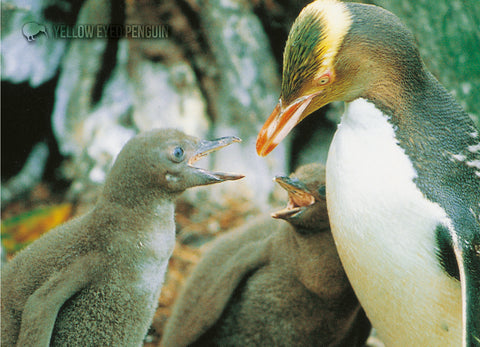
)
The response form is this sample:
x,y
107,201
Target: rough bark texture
x,y
448,35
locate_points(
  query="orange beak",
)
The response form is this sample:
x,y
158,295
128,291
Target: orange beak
x,y
281,122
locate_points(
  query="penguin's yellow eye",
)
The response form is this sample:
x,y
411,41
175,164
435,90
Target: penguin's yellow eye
x,y
323,80
324,77
178,154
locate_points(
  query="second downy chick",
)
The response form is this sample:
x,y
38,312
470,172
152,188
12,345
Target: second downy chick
x,y
271,283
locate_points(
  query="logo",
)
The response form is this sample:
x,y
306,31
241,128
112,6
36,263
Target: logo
x,y
111,31
32,29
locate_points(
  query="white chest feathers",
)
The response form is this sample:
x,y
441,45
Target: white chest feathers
x,y
155,247
384,229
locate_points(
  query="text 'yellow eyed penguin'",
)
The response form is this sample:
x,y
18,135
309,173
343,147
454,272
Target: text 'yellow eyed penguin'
x,y
271,283
95,281
403,171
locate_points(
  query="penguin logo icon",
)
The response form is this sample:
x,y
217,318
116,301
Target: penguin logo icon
x,y
32,29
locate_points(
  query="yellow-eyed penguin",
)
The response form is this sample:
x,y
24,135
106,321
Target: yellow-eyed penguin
x,y
272,283
403,171
95,281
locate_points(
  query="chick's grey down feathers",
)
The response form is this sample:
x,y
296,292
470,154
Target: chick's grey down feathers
x,y
95,280
271,283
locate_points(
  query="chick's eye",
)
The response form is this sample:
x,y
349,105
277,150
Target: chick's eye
x,y
178,154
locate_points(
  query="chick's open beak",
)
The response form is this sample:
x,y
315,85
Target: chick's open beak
x,y
281,122
204,177
298,197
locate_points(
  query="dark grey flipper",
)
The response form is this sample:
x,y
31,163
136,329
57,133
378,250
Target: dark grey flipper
x,y
42,307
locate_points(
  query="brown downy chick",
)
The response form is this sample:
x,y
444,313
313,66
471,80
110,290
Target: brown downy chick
x,y
272,283
95,281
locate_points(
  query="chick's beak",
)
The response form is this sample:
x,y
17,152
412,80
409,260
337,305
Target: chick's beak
x,y
298,197
204,177
281,122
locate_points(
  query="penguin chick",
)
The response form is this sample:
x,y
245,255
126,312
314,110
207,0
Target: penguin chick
x,y
95,281
271,283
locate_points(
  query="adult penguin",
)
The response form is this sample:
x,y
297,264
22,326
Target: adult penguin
x,y
403,171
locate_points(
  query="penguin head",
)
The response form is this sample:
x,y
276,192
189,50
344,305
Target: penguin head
x,y
162,161
306,207
340,51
